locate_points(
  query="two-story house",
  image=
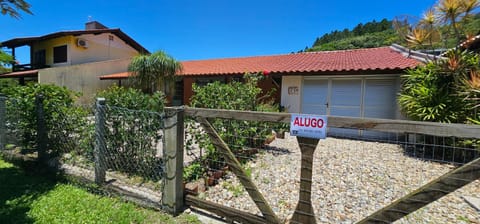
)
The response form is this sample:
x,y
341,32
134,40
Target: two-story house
x,y
75,59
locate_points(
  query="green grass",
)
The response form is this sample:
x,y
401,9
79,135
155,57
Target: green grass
x,y
32,197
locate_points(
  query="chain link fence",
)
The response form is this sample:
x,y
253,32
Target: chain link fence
x,y
14,136
134,142
116,146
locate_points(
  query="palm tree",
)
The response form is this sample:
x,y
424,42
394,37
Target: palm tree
x,y
153,72
12,7
456,12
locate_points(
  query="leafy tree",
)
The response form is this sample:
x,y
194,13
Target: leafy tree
x,y
448,23
153,72
12,8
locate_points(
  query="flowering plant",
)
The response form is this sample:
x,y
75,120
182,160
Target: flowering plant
x,y
258,76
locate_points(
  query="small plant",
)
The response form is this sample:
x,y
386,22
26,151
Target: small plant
x,y
193,172
236,190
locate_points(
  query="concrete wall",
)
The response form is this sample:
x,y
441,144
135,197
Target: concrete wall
x,y
84,78
101,47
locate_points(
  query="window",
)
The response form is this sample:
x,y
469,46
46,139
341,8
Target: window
x,y
39,60
60,54
205,81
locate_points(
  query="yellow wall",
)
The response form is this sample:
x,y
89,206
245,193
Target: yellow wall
x,y
84,78
48,46
100,48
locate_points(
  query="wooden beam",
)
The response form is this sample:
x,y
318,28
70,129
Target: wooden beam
x,y
224,211
172,195
304,211
237,169
426,194
384,125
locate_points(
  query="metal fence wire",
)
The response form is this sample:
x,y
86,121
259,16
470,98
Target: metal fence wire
x,y
134,142
14,134
355,171
70,134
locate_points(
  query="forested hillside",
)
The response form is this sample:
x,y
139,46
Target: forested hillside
x,y
376,34
368,35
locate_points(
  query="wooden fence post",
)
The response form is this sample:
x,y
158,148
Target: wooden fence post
x,y
172,195
3,114
304,211
100,142
42,136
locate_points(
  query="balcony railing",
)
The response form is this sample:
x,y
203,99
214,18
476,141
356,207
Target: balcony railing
x,y
26,67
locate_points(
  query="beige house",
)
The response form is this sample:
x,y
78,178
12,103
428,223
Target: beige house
x,y
75,59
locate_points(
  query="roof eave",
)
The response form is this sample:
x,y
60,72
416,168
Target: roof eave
x,y
18,42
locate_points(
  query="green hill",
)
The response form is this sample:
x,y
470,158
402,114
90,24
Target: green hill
x,y
368,35
376,34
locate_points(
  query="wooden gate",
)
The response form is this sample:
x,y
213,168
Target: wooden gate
x,y
424,195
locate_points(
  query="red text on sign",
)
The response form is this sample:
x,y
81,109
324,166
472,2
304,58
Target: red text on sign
x,y
308,122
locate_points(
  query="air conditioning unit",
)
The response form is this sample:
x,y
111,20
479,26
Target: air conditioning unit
x,y
82,43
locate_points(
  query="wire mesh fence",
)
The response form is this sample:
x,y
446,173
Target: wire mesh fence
x,y
70,134
14,134
355,171
134,142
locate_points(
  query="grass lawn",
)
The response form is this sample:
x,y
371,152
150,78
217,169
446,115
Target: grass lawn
x,y
31,197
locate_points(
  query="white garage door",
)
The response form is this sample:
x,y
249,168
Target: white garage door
x,y
362,97
315,97
380,98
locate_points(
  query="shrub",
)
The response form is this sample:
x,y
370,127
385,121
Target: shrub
x,y
132,99
243,137
439,92
62,117
134,121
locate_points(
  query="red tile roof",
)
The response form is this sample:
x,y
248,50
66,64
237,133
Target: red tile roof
x,y
19,74
121,75
369,59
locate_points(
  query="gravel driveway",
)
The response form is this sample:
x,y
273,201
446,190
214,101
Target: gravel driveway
x,y
351,179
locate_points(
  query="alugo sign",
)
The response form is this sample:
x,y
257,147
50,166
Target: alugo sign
x,y
309,126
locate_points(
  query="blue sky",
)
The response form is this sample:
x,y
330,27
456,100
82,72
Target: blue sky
x,y
194,29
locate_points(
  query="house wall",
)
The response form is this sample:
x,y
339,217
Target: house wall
x,y
267,85
84,78
48,46
290,95
100,48
187,89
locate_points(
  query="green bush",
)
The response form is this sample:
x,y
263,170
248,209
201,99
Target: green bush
x,y
134,121
444,91
438,92
133,99
65,122
243,137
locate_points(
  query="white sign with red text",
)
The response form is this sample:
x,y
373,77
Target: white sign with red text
x,y
309,126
